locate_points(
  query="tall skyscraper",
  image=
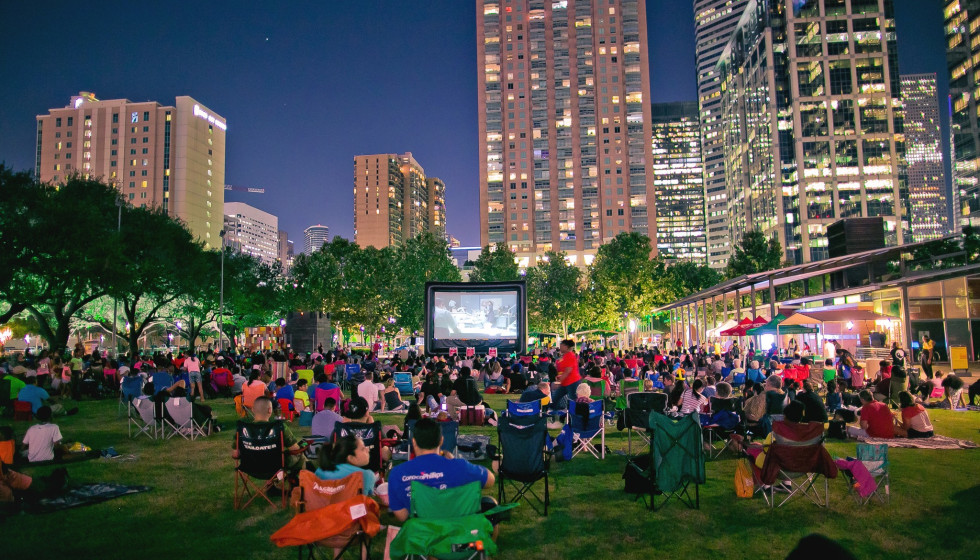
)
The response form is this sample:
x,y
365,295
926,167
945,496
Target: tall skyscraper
x,y
172,157
252,231
679,181
963,61
924,158
813,122
564,117
285,251
315,236
394,201
714,22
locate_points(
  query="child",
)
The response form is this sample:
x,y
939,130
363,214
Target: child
x,y
834,402
43,440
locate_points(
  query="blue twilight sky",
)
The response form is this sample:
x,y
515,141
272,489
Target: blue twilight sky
x,y
306,88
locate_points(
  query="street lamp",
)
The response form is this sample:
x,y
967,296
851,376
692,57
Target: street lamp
x,y
115,301
221,304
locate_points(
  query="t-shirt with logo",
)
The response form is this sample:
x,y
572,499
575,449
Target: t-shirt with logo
x,y
432,470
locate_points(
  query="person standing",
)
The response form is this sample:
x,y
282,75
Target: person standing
x,y
193,365
568,373
927,355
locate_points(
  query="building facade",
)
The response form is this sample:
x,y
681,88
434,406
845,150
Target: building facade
x,y
285,251
963,61
394,200
252,231
813,122
171,157
924,158
714,22
679,182
315,237
564,119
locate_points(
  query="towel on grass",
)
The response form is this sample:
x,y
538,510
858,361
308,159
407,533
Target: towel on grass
x,y
934,442
84,495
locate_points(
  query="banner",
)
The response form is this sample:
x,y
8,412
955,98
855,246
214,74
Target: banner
x,y
470,351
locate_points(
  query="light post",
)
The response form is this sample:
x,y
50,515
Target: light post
x,y
221,299
115,301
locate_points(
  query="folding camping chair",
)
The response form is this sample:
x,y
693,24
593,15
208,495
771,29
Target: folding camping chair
x,y
676,460
261,450
131,388
446,523
450,434
723,424
181,419
403,382
142,416
314,494
637,415
286,411
627,387
875,459
371,435
515,408
524,459
797,454
585,430
320,396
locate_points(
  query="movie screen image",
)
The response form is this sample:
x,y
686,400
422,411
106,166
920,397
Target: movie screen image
x,y
479,315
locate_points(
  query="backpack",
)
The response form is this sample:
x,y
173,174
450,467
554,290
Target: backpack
x,y
744,485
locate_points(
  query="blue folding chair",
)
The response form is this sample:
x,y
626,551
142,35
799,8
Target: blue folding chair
x,y
403,382
161,381
587,430
450,434
738,379
515,408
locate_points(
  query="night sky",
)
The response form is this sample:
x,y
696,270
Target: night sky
x,y
305,91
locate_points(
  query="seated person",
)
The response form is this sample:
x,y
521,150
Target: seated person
x,y
915,419
953,389
834,401
343,457
301,399
723,399
497,382
515,374
774,395
38,397
323,385
876,419
709,390
284,391
43,440
253,389
583,398
431,392
594,375
370,392
326,420
392,397
238,382
829,371
262,413
815,411
433,467
540,392
792,412
692,399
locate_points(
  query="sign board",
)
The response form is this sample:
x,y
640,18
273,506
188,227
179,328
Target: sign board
x,y
470,351
959,361
492,352
453,350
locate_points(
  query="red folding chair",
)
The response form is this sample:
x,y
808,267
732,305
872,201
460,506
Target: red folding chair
x,y
286,406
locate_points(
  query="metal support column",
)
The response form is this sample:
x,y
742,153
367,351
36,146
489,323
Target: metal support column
x,y
772,300
754,315
906,322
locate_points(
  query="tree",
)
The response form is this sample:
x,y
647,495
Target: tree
x,y
424,258
495,264
555,295
256,294
622,279
51,274
971,243
755,254
684,278
159,262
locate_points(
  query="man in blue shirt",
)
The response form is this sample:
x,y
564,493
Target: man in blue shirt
x,y
37,396
432,467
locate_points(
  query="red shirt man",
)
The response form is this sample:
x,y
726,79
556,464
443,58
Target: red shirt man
x,y
876,418
567,366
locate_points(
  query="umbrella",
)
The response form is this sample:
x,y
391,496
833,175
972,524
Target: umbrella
x,y
778,326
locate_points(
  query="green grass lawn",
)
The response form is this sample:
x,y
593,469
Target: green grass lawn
x,y
935,497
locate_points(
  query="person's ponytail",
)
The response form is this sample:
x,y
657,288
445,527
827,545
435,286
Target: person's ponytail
x,y
333,454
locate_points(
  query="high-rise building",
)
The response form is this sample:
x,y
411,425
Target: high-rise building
x,y
316,236
679,181
924,158
394,201
252,231
963,61
564,117
171,157
714,21
437,206
813,122
285,251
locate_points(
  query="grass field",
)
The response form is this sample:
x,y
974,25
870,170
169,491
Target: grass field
x,y
932,514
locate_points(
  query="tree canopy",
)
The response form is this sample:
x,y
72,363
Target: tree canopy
x,y
495,264
754,254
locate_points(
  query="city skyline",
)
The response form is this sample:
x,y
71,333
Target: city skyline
x,y
274,82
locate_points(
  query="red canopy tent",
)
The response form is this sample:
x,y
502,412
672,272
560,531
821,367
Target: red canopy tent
x,y
739,329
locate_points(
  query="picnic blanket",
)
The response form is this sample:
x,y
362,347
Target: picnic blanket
x,y
84,495
472,447
935,442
